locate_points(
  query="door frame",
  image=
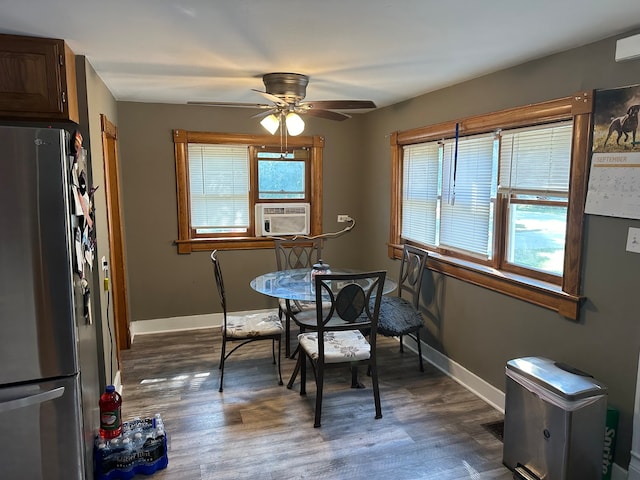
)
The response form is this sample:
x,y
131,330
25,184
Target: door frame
x,y
117,260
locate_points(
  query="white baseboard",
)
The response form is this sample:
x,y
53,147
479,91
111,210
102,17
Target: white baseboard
x,y
488,392
469,380
466,378
117,382
170,324
457,372
174,324
619,473
634,466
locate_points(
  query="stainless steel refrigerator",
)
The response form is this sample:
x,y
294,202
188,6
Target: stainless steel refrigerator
x,y
45,310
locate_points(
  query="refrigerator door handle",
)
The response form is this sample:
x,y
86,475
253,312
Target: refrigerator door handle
x,y
31,400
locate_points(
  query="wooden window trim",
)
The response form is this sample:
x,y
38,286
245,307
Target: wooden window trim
x,y
186,241
565,298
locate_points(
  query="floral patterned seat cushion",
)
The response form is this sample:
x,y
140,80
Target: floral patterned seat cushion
x,y
253,325
339,346
397,316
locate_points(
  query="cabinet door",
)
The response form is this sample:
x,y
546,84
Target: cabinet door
x,y
35,79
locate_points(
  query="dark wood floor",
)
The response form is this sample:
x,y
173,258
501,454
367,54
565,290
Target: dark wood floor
x,y
431,426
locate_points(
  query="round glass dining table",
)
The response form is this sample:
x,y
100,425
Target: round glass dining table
x,y
297,284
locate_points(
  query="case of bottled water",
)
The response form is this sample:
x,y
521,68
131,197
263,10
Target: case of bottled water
x,y
141,448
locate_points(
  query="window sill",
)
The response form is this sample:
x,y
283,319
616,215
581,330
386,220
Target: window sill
x,y
236,243
543,294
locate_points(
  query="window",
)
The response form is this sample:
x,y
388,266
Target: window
x,y
221,177
498,199
218,188
282,177
465,208
534,184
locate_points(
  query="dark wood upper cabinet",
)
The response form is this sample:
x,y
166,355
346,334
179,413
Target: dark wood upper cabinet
x,y
37,79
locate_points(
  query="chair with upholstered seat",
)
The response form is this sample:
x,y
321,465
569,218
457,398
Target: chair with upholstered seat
x,y
294,254
400,316
245,328
346,305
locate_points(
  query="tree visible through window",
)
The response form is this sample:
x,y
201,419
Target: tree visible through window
x,y
534,181
282,176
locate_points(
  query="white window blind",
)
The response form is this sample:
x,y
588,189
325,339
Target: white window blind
x,y
219,187
536,160
421,174
467,210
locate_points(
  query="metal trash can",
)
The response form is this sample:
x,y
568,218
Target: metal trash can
x,y
554,421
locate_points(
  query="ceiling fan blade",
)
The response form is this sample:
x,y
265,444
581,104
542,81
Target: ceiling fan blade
x,y
341,104
265,113
273,98
231,104
328,114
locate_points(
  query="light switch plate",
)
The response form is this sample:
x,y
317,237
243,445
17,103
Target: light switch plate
x,y
633,240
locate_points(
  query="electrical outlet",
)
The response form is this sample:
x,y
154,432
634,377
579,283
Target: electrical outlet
x,y
633,240
343,218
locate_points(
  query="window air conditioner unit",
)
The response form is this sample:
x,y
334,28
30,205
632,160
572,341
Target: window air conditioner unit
x,y
273,219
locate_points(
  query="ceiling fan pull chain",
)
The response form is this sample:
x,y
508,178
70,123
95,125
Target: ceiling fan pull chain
x,y
281,135
286,138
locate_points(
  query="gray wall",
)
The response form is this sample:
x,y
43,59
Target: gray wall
x,y
164,284
473,326
481,329
100,101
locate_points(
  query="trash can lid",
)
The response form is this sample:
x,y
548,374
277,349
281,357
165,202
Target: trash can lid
x,y
559,378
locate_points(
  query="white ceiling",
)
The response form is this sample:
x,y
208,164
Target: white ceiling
x,y
381,50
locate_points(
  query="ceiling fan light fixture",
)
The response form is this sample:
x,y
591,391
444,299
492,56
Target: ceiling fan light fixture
x,y
271,123
295,124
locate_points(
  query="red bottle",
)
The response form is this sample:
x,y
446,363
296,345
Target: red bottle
x,y
110,418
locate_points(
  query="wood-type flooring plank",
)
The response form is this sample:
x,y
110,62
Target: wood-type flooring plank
x,y
431,426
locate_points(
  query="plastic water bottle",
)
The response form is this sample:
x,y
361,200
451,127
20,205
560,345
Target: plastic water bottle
x,y
159,430
110,413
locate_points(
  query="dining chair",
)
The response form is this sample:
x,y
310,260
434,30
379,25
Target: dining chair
x,y
346,305
294,254
245,328
400,316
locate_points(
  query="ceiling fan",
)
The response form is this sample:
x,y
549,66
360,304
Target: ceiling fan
x,y
286,92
